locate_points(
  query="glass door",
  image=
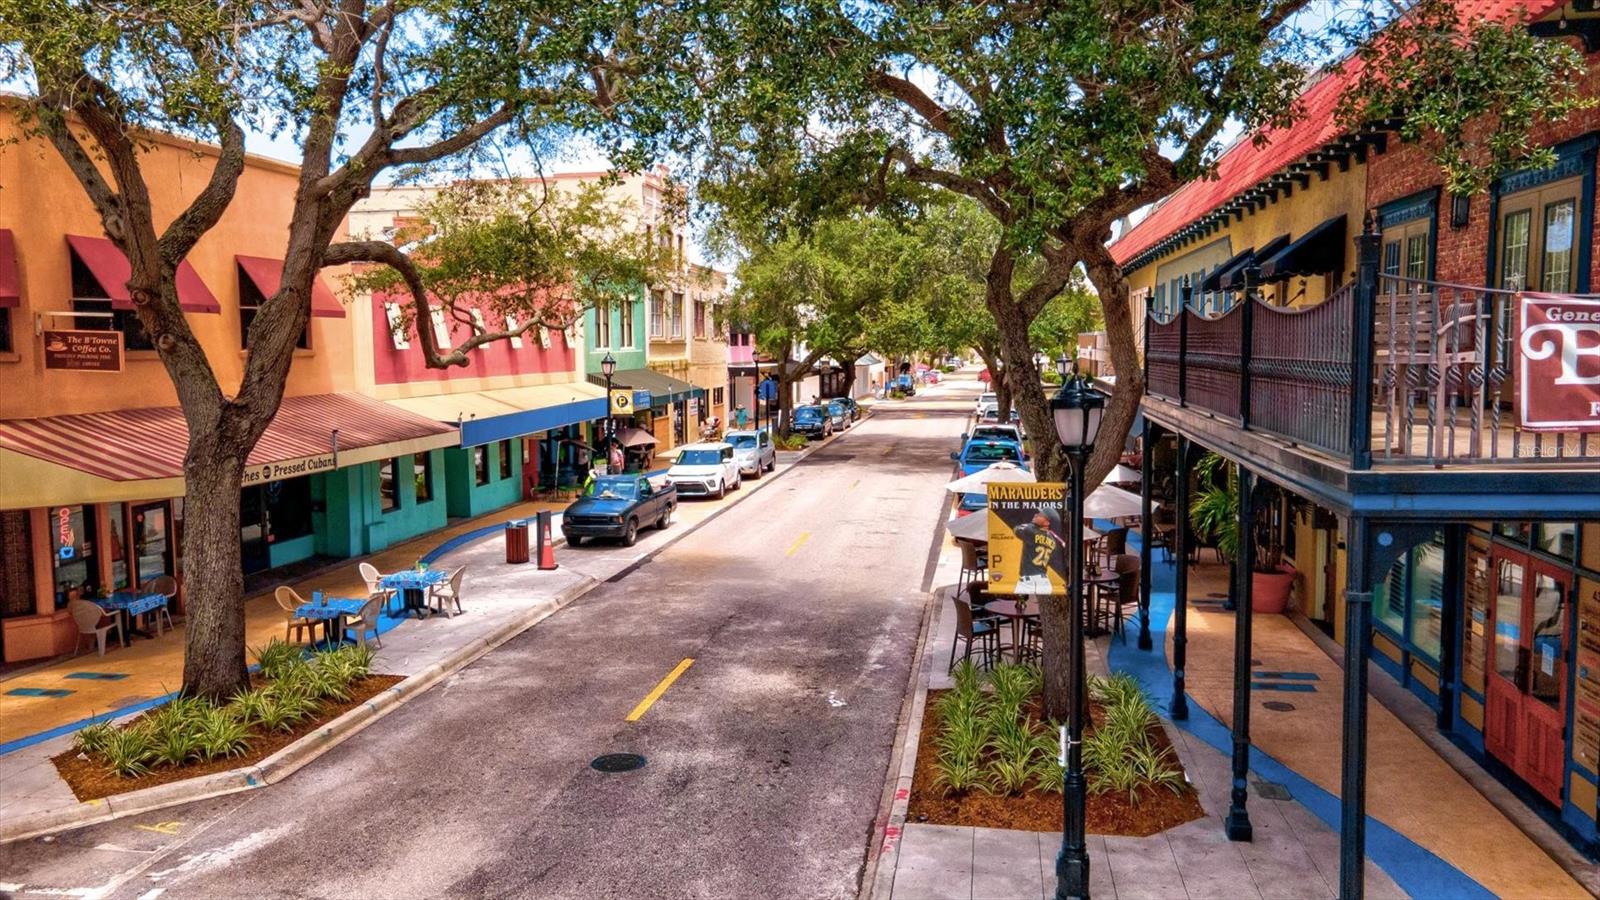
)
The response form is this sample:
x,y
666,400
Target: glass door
x,y
1545,706
152,542
1502,725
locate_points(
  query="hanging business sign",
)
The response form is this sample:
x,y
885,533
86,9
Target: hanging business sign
x,y
1027,544
622,401
1558,363
263,473
83,351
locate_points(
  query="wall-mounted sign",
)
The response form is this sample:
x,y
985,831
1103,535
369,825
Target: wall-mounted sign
x,y
622,401
1558,363
1027,546
83,351
293,468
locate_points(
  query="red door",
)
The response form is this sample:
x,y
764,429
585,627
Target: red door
x,y
1525,713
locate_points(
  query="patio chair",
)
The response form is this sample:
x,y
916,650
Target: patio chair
x,y
373,578
972,568
1127,568
449,593
367,620
166,586
92,620
289,601
986,633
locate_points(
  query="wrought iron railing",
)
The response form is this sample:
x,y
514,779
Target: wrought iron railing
x,y
1435,359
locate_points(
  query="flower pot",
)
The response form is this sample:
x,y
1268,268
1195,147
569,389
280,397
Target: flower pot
x,y
1269,591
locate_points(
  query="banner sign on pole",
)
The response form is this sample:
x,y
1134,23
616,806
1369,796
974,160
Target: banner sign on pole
x,y
1558,363
1027,540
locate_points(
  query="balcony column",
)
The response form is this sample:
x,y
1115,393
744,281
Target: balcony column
x,y
1146,529
1238,822
1353,779
1362,337
1180,599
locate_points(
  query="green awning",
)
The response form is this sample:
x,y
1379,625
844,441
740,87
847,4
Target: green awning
x,y
664,389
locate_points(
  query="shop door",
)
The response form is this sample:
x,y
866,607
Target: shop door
x,y
253,551
1526,708
152,541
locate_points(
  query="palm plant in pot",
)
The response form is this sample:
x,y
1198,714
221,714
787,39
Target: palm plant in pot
x,y
1214,515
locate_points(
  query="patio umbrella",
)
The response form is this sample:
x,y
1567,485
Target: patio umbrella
x,y
1123,475
635,437
996,472
976,528
1107,502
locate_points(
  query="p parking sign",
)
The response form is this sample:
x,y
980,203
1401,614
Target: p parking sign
x,y
622,401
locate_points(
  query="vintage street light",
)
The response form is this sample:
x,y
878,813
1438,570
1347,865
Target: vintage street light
x,y
608,368
1077,409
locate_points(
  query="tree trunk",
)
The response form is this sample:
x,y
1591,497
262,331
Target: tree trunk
x,y
1123,406
213,578
1055,619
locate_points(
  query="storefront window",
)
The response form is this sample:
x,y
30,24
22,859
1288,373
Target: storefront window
x,y
72,537
1558,539
1389,599
16,564
1427,595
289,509
120,577
505,459
388,491
1515,531
422,474
480,465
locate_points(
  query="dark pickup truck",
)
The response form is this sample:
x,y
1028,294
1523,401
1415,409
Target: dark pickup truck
x,y
617,506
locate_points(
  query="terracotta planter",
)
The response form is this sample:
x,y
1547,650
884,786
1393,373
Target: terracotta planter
x,y
1269,591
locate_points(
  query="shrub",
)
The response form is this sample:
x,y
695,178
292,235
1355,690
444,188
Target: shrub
x,y
1012,746
221,734
93,738
275,715
360,658
128,752
277,657
248,705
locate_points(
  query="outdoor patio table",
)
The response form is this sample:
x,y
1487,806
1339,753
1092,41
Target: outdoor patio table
x,y
413,586
331,612
1016,612
130,605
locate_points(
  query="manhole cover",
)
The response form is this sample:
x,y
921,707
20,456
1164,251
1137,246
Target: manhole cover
x,y
1278,706
617,762
1271,790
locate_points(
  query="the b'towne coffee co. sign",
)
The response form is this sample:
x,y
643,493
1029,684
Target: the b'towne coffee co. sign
x,y
1558,363
83,351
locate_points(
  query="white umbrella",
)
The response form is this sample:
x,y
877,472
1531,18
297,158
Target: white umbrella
x,y
997,472
1107,502
976,528
1123,475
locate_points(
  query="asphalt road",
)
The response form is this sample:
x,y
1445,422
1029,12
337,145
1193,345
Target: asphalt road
x,y
766,757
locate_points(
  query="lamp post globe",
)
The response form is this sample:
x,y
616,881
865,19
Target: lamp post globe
x,y
608,366
1077,409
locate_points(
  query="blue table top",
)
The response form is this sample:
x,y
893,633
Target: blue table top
x,y
412,580
336,606
132,602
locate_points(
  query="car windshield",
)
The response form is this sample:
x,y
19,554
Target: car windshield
x,y
807,414
835,408
618,489
992,453
993,432
699,457
742,441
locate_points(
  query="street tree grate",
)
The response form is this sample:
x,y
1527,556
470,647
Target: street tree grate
x,y
617,762
1278,705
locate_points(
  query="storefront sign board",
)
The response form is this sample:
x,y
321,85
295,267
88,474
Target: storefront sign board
x,y
1558,363
291,468
83,351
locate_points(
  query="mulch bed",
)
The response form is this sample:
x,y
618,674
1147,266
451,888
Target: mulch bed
x,y
92,780
1110,813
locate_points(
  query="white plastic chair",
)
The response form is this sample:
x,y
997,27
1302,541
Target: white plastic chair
x,y
449,593
166,586
289,601
373,578
89,618
366,620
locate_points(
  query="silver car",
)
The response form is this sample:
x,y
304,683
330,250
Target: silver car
x,y
753,451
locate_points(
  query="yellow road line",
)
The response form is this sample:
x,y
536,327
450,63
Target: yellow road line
x,y
660,688
798,543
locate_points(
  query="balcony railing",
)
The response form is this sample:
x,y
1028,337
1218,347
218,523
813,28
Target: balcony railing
x,y
1439,381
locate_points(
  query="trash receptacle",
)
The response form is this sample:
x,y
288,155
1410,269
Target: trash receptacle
x,y
517,541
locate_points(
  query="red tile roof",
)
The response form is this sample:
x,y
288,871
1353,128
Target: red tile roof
x,y
1247,164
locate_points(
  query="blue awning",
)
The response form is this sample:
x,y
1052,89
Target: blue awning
x,y
488,416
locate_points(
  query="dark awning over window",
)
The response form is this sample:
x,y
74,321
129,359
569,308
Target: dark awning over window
x,y
111,270
1317,252
1234,280
267,275
1213,282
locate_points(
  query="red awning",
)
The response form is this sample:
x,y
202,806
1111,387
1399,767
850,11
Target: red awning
x,y
10,285
266,274
136,444
109,266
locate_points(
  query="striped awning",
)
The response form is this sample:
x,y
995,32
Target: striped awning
x,y
143,444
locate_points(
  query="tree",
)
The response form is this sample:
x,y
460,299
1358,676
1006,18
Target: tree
x,y
366,88
522,252
1058,119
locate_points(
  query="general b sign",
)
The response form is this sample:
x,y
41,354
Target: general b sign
x,y
1558,363
84,351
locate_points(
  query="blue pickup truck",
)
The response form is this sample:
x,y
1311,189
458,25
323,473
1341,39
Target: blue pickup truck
x,y
978,454
617,506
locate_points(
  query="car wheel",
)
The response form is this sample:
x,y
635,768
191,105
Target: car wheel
x,y
722,491
574,540
666,518
774,464
630,533
756,473
738,480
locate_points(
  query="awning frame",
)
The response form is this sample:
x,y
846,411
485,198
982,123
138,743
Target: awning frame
x,y
1234,281
1297,257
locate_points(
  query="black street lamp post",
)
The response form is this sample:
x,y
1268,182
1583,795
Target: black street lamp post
x,y
608,368
1077,409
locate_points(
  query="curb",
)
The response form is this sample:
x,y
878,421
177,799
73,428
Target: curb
x,y
295,756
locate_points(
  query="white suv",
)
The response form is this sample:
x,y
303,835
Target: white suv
x,y
705,470
987,402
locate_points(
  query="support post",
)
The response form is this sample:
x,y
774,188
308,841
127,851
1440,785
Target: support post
x,y
1353,777
1145,530
1238,816
1072,864
1180,600
1455,567
1184,294
1362,331
1252,275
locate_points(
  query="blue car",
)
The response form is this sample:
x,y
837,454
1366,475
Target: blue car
x,y
979,454
905,384
617,506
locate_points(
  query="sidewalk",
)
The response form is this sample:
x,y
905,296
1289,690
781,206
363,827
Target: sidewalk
x,y
1430,833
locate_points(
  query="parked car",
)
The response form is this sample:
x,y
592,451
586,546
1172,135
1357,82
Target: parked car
x,y
854,407
812,421
705,470
977,454
617,506
994,431
906,385
754,451
986,401
839,414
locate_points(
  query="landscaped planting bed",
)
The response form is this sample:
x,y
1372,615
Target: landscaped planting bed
x,y
985,758
293,694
